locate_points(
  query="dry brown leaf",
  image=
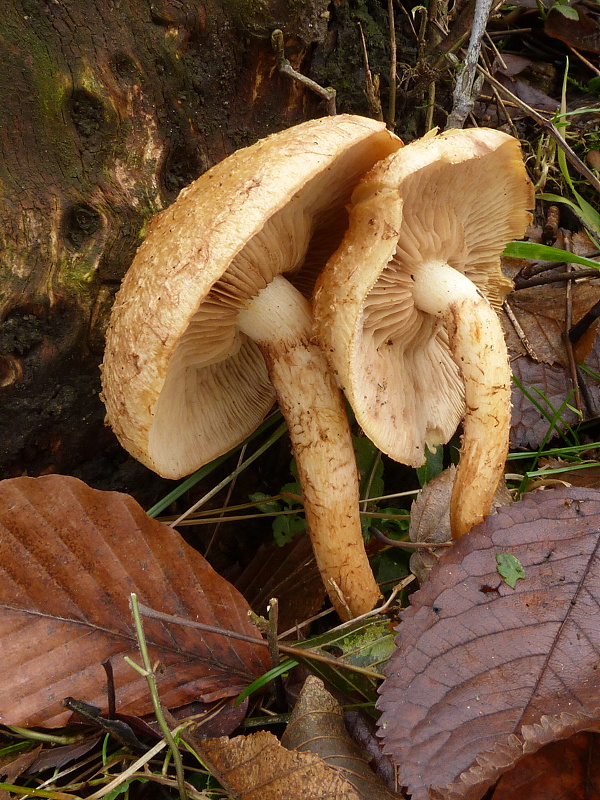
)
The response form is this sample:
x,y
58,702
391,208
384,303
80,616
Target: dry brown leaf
x,y
484,673
528,426
582,33
541,362
363,730
257,767
564,770
69,558
540,312
430,519
11,767
317,726
288,573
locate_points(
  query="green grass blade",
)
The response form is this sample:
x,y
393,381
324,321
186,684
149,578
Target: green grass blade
x,y
542,252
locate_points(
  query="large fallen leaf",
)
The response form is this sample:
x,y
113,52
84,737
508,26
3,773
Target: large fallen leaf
x,y
582,32
484,673
69,558
317,726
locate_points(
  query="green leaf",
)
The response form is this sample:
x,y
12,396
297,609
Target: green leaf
x,y
434,464
390,566
122,788
510,568
286,526
367,644
370,467
590,216
396,528
594,85
291,488
285,665
566,11
541,252
586,213
268,507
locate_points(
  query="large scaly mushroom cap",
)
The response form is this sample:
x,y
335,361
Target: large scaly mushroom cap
x,y
181,383
456,198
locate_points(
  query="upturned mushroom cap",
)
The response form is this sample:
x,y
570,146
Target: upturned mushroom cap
x,y
457,199
181,384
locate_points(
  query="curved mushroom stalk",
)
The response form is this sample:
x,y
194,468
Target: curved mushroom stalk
x,y
279,320
479,350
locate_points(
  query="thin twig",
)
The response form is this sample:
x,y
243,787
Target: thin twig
x,y
148,672
463,99
408,545
588,64
548,126
391,119
558,277
222,517
568,324
430,106
497,96
519,331
371,90
286,68
273,612
582,325
295,652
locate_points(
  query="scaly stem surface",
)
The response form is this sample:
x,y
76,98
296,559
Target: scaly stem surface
x,y
479,350
280,321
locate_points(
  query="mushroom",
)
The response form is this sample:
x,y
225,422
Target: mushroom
x,y
206,332
401,307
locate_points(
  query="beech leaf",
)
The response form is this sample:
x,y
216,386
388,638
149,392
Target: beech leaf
x,y
258,767
70,556
484,673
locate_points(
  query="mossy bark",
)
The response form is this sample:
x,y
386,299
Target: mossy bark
x,y
107,109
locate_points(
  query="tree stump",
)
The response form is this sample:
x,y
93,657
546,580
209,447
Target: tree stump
x,y
109,108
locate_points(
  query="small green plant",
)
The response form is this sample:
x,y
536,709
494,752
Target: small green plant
x,y
563,7
286,508
509,568
584,210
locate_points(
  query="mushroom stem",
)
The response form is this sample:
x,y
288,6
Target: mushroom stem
x,y
479,350
279,320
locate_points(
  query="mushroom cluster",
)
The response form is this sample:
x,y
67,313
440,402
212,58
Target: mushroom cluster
x,y
406,306
212,323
